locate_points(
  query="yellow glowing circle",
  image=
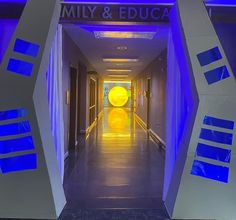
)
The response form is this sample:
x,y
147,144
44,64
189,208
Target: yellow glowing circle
x,y
118,96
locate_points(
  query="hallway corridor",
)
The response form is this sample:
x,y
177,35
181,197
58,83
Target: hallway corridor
x,y
116,174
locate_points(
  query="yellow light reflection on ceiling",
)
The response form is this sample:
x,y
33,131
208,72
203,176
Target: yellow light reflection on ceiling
x,y
118,96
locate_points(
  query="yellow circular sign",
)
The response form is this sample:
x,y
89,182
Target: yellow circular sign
x,y
118,96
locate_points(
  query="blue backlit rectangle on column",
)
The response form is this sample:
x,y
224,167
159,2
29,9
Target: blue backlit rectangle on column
x,y
20,67
209,56
18,163
210,171
217,122
26,48
16,145
217,75
216,136
15,128
214,153
12,114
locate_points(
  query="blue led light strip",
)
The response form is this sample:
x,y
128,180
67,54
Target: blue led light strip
x,y
209,56
12,114
216,75
20,67
16,145
15,128
27,48
18,163
217,122
210,171
216,136
214,153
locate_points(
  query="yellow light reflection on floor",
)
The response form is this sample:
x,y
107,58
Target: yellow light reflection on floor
x,y
117,119
118,124
118,96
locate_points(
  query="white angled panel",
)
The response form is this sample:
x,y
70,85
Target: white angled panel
x,y
30,183
203,182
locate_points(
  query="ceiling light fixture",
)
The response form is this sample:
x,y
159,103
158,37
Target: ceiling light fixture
x,y
122,48
118,76
122,31
119,70
124,35
117,81
119,60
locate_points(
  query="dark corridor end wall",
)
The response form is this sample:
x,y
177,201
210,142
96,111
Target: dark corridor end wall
x,y
157,72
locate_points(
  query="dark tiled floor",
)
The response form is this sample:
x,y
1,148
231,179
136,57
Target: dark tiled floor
x,y
117,173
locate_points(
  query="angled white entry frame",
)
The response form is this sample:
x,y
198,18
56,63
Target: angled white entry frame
x,y
30,183
203,181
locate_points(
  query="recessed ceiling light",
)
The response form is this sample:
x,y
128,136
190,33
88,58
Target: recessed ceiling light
x,y
119,70
117,81
118,76
119,60
124,35
122,48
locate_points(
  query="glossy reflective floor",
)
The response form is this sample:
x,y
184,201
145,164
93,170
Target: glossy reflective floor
x,y
117,173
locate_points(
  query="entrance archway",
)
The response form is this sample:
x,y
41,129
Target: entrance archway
x,y
199,147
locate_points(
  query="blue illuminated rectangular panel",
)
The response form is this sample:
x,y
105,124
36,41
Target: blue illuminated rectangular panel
x,y
15,145
18,163
210,171
217,122
214,153
20,67
26,48
209,56
216,136
12,114
15,129
217,74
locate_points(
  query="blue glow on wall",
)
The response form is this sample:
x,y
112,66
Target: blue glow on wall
x,y
209,56
7,28
216,136
133,1
26,48
210,171
12,114
214,153
18,163
20,67
153,1
217,75
217,122
16,145
218,2
15,128
14,1
182,101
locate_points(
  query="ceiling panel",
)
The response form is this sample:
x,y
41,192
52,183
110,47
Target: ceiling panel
x,y
145,50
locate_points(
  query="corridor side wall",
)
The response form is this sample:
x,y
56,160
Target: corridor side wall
x,y
157,72
73,57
